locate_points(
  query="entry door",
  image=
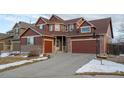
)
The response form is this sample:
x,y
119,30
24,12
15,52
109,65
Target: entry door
x,y
48,46
58,45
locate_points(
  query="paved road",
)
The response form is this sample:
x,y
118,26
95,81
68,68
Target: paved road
x,y
61,65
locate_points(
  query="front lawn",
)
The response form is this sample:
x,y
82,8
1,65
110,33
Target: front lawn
x,y
6,60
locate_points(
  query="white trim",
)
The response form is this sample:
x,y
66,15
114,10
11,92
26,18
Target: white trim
x,y
31,29
55,25
35,30
89,23
83,39
43,19
31,36
85,27
40,26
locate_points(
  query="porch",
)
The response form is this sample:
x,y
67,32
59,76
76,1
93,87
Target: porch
x,y
60,44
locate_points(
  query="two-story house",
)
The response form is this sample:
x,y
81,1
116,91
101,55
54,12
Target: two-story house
x,y
11,41
74,35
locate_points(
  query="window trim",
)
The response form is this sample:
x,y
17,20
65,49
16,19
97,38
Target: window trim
x,y
51,26
42,26
71,27
55,27
33,40
86,27
16,29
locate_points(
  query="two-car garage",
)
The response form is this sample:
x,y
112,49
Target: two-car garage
x,y
84,46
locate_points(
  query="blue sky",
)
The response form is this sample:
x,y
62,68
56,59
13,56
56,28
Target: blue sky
x,y
7,21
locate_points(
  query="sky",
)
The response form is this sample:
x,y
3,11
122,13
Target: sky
x,y
7,21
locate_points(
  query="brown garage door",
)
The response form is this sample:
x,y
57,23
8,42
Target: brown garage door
x,y
48,46
86,46
1,46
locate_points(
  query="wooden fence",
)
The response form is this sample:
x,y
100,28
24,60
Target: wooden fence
x,y
115,49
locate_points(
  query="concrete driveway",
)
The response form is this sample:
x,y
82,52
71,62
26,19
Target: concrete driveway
x,y
60,65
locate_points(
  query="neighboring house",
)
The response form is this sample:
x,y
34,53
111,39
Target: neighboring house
x,y
4,41
12,40
74,35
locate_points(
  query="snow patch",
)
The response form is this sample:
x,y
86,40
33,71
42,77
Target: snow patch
x,y
4,54
107,67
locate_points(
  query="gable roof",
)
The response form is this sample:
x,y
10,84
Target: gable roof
x,y
22,24
42,18
102,25
72,21
56,19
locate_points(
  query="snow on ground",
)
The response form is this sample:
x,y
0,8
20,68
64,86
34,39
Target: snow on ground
x,y
4,54
107,67
121,54
4,66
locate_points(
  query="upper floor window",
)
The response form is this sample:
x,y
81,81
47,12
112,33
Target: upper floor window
x,y
50,27
16,30
85,29
41,26
30,40
57,27
71,27
63,27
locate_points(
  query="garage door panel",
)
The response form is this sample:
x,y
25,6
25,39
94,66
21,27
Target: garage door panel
x,y
87,46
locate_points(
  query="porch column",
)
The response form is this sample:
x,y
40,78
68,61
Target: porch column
x,y
62,44
55,44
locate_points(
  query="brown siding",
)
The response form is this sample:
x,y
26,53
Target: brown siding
x,y
1,46
40,21
30,32
85,24
46,27
38,40
15,46
27,48
23,41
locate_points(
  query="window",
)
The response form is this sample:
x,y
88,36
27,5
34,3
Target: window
x,y
57,27
41,26
85,29
30,41
50,27
63,28
71,27
16,30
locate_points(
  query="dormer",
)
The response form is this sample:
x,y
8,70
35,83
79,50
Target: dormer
x,y
74,24
86,27
56,23
41,22
16,29
56,19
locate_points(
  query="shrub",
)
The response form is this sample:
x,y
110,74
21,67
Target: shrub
x,y
46,55
33,53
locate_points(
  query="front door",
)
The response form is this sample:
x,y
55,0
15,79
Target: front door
x,y
60,43
48,46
